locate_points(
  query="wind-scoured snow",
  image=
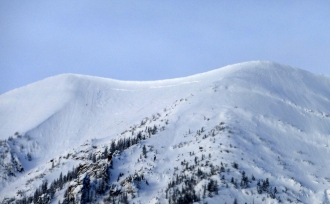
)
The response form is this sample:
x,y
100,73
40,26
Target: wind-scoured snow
x,y
276,123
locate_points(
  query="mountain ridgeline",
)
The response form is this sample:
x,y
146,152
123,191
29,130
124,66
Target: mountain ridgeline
x,y
254,132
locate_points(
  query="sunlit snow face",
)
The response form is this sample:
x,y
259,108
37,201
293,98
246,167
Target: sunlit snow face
x,y
241,131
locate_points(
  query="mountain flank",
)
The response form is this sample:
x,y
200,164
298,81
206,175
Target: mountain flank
x,y
254,132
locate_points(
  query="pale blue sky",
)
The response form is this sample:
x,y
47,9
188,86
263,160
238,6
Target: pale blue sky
x,y
150,40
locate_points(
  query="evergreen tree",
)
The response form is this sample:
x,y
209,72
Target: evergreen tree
x,y
144,151
44,187
105,153
29,156
85,191
60,181
112,147
94,158
154,130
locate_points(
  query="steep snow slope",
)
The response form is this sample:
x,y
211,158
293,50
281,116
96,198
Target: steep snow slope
x,y
68,109
276,126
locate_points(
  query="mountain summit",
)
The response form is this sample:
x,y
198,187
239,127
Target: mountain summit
x,y
249,132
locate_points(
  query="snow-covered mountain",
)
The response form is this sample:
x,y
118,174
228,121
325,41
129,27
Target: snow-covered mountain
x,y
254,132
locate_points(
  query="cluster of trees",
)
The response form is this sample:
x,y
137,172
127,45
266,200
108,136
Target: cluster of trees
x,y
91,187
120,197
123,144
99,185
45,193
152,131
187,193
10,151
9,162
245,180
180,190
264,187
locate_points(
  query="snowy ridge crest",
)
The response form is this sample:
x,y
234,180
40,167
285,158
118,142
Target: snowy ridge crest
x,y
249,132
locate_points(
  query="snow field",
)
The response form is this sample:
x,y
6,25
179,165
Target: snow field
x,y
275,120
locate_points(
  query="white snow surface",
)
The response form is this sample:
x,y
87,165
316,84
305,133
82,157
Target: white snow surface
x,y
278,116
